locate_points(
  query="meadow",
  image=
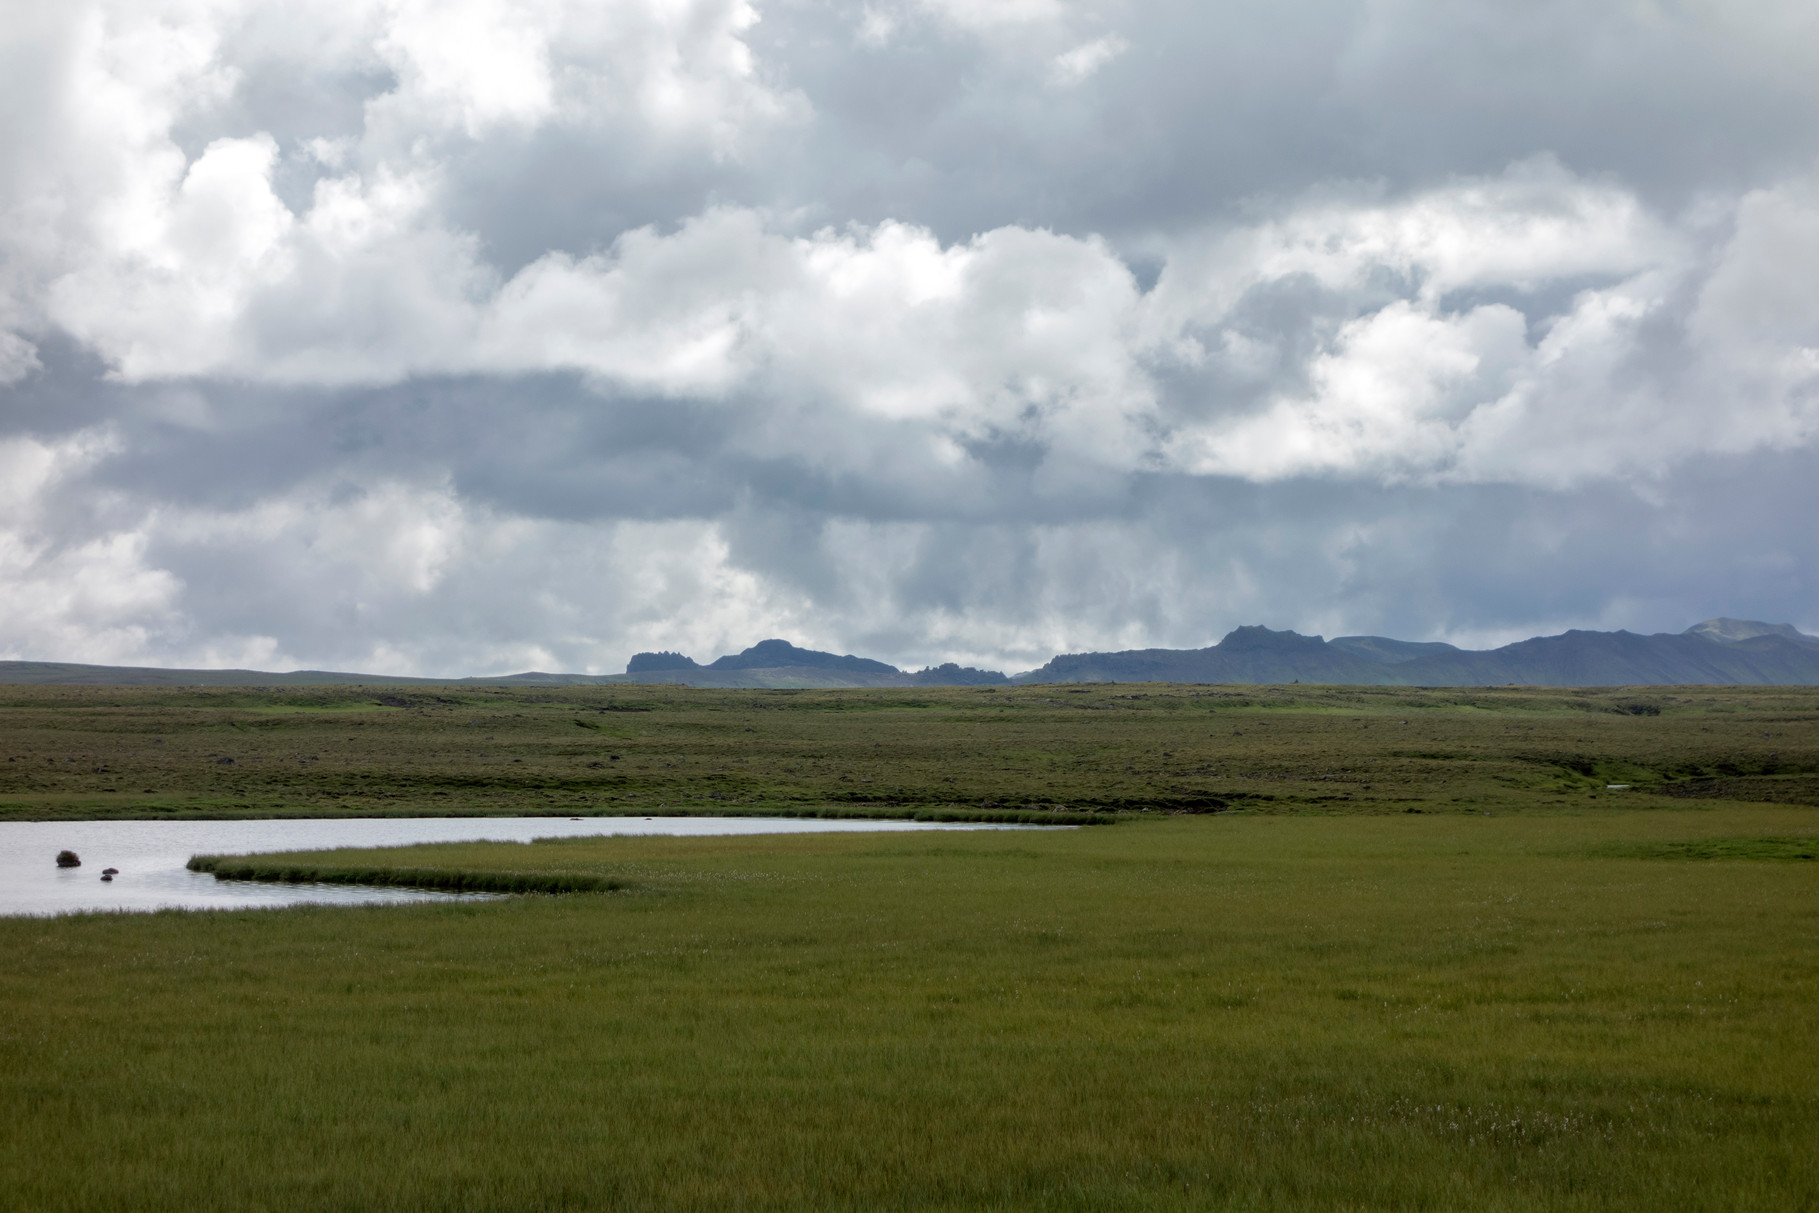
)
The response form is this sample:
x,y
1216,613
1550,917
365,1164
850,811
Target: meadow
x,y
145,752
1341,962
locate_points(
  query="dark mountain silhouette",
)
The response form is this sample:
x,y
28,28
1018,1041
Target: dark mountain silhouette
x,y
1716,652
950,675
1248,654
781,654
641,662
780,663
1381,648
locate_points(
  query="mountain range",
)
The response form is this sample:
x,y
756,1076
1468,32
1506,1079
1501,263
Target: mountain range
x,y
1716,652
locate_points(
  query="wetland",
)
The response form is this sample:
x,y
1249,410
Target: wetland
x,y
1330,948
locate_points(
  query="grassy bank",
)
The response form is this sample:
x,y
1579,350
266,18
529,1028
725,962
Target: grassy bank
x,y
1594,1009
337,869
144,752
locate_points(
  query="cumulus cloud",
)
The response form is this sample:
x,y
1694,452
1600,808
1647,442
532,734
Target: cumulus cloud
x,y
927,329
90,591
1028,333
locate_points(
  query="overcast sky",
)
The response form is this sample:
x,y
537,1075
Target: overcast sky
x,y
483,336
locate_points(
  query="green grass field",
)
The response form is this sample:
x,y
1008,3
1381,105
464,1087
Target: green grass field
x,y
156,752
1535,993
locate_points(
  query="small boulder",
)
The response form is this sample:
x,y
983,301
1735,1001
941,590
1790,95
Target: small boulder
x,y
110,871
68,859
108,879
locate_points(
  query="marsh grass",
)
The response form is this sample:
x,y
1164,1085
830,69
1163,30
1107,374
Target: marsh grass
x,y
229,867
1064,753
1764,848
1241,1011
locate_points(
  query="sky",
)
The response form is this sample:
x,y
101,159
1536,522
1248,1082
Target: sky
x,y
493,335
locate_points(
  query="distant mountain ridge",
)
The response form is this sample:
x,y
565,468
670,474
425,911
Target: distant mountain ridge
x,y
780,663
1719,651
1716,652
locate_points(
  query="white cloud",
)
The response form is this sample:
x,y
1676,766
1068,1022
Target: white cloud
x,y
876,26
1391,391
1075,66
84,597
1016,332
677,71
171,266
480,62
991,15
1761,308
110,223
1426,387
184,272
1521,229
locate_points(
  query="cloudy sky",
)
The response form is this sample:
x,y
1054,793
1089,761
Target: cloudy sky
x,y
489,335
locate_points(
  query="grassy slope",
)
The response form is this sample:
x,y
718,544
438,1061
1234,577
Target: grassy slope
x,y
1243,1011
152,752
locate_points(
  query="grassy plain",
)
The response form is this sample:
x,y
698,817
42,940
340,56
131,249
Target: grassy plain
x,y
1536,992
158,752
1238,1011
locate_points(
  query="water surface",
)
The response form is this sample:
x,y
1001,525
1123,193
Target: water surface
x,y
151,854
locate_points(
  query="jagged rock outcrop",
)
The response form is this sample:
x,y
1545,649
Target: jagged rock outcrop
x,y
948,674
641,662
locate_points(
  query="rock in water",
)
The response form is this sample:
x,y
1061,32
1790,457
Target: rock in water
x,y
106,877
110,871
68,859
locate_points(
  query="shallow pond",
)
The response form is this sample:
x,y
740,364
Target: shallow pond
x,y
150,854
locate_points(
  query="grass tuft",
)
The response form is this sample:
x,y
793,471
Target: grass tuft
x,y
229,867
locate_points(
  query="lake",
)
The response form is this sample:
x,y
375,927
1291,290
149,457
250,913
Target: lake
x,y
151,854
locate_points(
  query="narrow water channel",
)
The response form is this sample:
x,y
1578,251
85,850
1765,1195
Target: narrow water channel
x,y
150,855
